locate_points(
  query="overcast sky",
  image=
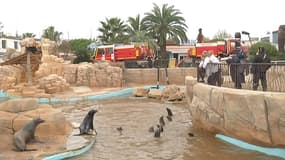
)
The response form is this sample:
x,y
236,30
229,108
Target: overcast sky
x,y
80,18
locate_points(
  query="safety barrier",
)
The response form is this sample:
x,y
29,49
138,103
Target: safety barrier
x,y
251,76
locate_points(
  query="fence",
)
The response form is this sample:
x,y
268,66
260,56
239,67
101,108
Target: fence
x,y
251,76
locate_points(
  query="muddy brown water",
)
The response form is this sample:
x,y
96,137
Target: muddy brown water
x,y
135,116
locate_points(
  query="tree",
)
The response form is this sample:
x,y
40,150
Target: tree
x,y
28,35
135,27
137,33
52,34
269,48
221,35
79,47
165,23
82,55
113,30
65,47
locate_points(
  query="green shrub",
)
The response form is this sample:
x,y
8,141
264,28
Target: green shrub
x,y
270,49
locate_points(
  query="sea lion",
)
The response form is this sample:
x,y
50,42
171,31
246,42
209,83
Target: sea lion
x,y
120,129
169,118
169,112
157,131
87,123
191,134
162,123
27,133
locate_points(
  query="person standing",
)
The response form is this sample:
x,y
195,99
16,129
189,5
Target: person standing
x,y
200,37
236,69
201,70
260,66
211,64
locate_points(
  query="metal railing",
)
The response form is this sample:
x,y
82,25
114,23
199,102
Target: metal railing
x,y
250,76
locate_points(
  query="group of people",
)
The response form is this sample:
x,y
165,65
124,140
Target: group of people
x,y
209,67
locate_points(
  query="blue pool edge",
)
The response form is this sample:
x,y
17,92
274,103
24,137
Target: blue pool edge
x,y
72,153
277,152
110,94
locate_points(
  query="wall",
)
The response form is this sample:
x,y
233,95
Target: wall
x,y
148,76
253,116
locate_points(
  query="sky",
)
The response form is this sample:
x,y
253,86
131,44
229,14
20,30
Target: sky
x,y
81,18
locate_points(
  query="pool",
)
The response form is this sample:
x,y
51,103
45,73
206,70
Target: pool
x,y
135,116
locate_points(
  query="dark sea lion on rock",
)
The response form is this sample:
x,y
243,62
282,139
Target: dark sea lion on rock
x,y
26,134
87,123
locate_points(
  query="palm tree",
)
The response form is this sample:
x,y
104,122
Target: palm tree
x,y
135,25
163,24
113,30
28,35
136,30
137,33
51,34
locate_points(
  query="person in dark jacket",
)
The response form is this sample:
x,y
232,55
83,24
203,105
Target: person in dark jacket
x,y
149,62
259,70
236,69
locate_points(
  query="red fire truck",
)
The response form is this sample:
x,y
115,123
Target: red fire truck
x,y
219,48
122,52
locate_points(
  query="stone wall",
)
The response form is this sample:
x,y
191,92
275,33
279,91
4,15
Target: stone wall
x,y
93,75
148,76
253,116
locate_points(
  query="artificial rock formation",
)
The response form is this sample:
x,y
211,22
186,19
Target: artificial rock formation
x,y
140,92
172,93
51,64
100,74
10,76
169,93
253,116
14,114
48,47
53,84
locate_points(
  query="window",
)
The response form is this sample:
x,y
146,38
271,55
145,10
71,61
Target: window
x,y
15,45
109,50
100,51
3,44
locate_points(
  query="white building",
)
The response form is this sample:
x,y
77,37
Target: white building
x,y
271,38
9,42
